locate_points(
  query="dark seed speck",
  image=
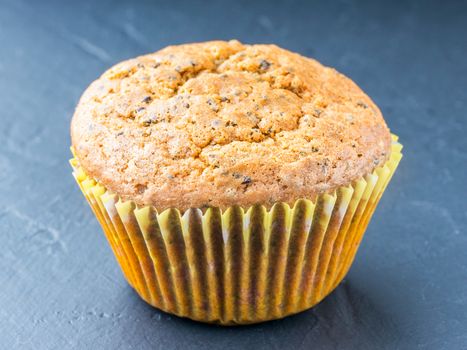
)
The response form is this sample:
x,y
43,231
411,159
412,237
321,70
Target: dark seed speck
x,y
362,104
246,180
264,65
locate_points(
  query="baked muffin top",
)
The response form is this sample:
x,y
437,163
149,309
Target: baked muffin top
x,y
223,123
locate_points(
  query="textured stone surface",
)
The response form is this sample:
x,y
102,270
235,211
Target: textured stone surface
x,y
60,285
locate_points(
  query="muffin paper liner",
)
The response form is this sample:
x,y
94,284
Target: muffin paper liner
x,y
240,265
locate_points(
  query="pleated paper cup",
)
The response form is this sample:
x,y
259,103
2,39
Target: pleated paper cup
x,y
241,265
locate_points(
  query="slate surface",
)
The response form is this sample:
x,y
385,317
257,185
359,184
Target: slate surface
x,y
60,287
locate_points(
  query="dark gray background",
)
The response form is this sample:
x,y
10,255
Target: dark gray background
x,y
60,287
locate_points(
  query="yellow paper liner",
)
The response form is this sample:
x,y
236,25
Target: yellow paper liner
x,y
243,265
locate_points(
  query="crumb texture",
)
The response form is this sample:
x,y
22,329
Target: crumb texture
x,y
222,123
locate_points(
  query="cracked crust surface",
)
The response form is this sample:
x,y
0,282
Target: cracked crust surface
x,y
222,123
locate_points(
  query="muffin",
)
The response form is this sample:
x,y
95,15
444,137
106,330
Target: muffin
x,y
233,182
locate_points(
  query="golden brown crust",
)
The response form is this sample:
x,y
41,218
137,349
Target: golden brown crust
x,y
222,123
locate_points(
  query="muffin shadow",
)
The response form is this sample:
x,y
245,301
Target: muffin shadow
x,y
347,318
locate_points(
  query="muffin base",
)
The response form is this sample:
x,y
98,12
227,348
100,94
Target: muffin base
x,y
242,265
